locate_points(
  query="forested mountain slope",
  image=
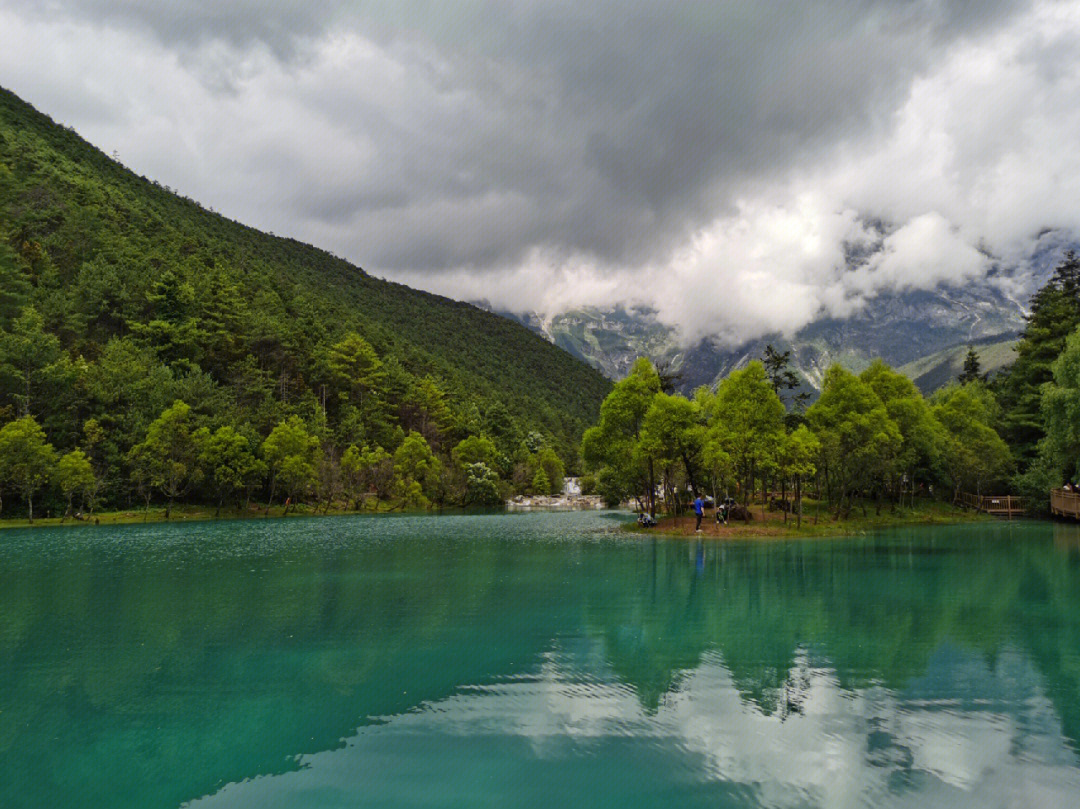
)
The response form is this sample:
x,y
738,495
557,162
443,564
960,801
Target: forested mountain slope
x,y
136,296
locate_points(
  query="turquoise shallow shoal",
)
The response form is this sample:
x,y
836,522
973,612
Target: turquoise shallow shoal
x,y
536,660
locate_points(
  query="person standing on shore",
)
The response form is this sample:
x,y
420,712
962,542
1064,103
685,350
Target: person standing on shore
x,y
699,510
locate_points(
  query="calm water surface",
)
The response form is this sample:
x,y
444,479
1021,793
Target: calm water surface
x,y
536,660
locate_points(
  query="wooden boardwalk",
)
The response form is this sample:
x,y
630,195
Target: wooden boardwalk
x,y
1065,504
998,505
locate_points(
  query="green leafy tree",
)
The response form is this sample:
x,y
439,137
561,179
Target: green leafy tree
x,y
747,423
328,481
376,468
29,360
481,485
167,459
416,466
673,435
290,452
541,483
99,449
169,321
859,441
228,462
74,473
614,443
425,408
355,367
352,472
548,460
475,449
27,459
14,286
499,424
1061,414
922,438
975,456
799,452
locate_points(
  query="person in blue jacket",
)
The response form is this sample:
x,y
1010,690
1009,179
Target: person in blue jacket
x,y
699,510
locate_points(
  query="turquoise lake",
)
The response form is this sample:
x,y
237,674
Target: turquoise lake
x,y
536,660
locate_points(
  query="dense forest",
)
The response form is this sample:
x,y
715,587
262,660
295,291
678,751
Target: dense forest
x,y
869,437
152,351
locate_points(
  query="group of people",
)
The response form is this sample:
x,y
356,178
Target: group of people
x,y
723,508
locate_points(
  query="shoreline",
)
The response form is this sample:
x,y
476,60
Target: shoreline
x,y
191,513
773,526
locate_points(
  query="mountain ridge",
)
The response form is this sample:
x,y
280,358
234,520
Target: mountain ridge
x,y
72,216
903,328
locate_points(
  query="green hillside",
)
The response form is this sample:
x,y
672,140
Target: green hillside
x,y
138,296
939,369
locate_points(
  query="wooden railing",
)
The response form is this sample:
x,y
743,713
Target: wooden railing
x,y
999,505
1065,504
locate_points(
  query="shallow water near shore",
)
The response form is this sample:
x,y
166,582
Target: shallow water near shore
x,y
537,660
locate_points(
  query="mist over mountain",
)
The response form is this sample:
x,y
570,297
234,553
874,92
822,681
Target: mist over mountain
x,y
923,331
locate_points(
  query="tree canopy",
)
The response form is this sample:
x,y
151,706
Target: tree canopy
x,y
119,298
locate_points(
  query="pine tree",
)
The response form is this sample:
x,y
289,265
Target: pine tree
x,y
14,287
1055,312
781,377
972,368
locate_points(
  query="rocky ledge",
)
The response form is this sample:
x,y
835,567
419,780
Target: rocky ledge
x,y
556,502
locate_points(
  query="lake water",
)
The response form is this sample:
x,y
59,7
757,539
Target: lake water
x,y
536,660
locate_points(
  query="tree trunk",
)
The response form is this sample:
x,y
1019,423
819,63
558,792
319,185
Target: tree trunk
x,y
30,506
798,500
67,511
691,479
652,490
270,502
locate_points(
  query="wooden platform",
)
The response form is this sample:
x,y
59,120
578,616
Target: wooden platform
x,y
998,505
1065,504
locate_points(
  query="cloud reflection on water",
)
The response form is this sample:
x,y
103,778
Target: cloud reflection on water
x,y
931,745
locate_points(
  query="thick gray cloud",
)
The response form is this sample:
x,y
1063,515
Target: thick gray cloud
x,y
548,154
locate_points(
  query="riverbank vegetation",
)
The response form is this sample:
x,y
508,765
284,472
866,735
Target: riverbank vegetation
x,y
1040,392
870,440
818,521
154,353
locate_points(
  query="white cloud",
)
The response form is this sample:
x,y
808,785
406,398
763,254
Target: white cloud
x,y
719,169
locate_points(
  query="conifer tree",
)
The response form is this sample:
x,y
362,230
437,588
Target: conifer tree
x,y
1055,312
972,368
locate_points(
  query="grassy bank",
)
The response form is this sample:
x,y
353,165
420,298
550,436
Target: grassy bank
x,y
817,522
194,513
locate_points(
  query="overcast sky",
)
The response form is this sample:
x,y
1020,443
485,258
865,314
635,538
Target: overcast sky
x,y
716,159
